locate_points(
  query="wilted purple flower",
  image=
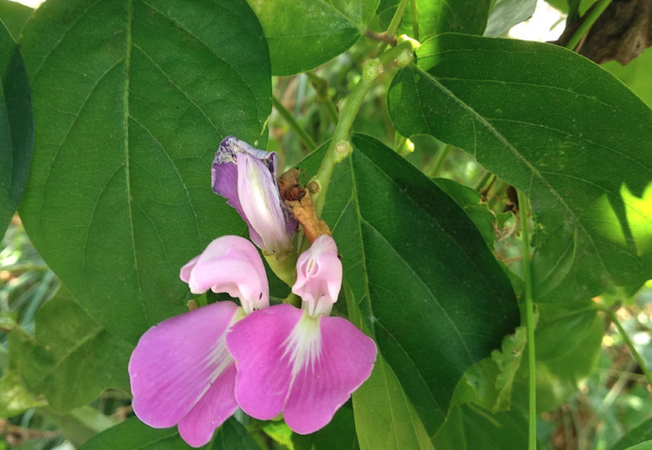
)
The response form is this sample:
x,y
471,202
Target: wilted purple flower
x,y
301,362
246,177
181,371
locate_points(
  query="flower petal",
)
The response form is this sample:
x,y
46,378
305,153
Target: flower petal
x,y
230,264
319,275
246,177
345,361
306,366
217,405
175,362
264,372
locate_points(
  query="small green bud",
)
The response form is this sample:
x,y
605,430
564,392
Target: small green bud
x,y
342,150
371,70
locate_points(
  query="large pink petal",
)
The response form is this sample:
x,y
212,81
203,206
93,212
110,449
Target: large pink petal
x,y
217,405
345,361
264,372
176,361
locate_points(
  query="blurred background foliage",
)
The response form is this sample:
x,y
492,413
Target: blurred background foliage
x,y
592,393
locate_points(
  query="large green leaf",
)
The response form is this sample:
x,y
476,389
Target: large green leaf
x,y
16,127
71,359
636,75
427,285
302,34
131,100
638,435
135,435
14,15
556,126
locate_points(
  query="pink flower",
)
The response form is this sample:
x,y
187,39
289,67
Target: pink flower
x,y
181,371
301,362
246,177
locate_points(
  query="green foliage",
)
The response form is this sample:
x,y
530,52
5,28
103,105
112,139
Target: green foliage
x,y
16,127
493,98
636,75
459,307
71,359
122,158
302,34
636,436
135,435
507,13
14,15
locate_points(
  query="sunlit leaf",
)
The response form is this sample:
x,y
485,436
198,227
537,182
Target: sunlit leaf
x,y
534,114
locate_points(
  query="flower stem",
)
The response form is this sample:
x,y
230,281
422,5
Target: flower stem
x,y
393,25
630,344
415,19
480,184
433,170
529,318
584,28
294,125
340,147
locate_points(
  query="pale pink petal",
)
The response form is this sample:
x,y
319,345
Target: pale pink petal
x,y
175,362
261,203
217,405
230,264
246,177
345,361
306,366
264,373
319,276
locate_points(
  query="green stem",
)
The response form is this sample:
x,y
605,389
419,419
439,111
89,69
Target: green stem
x,y
630,344
294,125
433,170
393,25
399,142
293,300
529,317
321,88
340,147
415,19
480,184
584,28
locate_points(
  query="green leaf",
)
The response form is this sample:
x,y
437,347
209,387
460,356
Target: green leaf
x,y
132,434
636,75
72,358
384,416
441,16
559,128
412,256
14,15
489,382
470,427
131,100
638,435
471,202
303,34
338,434
15,398
16,127
642,446
507,13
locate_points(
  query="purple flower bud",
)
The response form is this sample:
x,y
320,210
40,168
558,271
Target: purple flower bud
x,y
319,276
246,177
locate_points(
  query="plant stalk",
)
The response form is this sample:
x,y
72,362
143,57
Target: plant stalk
x,y
393,25
438,164
340,147
529,318
630,344
294,125
321,88
595,13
